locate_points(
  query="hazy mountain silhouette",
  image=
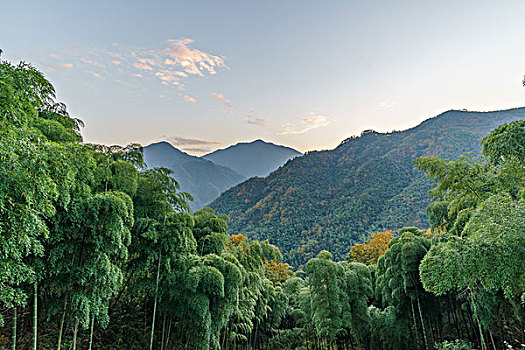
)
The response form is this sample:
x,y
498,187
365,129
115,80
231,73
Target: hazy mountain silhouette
x,y
202,178
257,158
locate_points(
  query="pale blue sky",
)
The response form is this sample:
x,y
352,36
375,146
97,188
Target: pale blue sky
x,y
301,73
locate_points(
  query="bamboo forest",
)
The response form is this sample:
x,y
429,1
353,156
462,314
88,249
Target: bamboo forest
x,y
99,251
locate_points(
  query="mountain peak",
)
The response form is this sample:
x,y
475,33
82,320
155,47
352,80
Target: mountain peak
x,y
257,158
162,144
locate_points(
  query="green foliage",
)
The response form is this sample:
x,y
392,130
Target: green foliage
x,y
489,256
325,291
35,172
485,262
506,143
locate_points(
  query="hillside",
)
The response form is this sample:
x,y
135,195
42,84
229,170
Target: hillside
x,y
333,199
257,158
203,179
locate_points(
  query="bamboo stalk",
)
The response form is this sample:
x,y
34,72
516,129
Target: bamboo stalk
x,y
14,329
169,333
155,305
35,314
91,332
75,331
422,322
61,329
414,320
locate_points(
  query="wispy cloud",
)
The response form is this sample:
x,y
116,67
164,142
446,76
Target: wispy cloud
x,y
199,150
149,61
388,105
116,55
176,61
67,66
172,77
97,75
313,121
192,145
184,141
172,63
220,98
250,119
193,61
190,99
92,62
144,66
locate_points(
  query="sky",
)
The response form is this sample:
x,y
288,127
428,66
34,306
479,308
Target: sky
x,y
306,74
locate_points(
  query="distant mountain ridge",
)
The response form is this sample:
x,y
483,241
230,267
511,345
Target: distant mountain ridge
x,y
202,178
205,178
333,199
257,158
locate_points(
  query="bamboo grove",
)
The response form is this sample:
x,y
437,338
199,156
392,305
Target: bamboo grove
x,y
99,252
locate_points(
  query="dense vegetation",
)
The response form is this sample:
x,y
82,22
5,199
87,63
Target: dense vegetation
x,y
334,199
99,253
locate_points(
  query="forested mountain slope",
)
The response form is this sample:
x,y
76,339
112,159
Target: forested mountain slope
x,y
257,158
333,199
203,179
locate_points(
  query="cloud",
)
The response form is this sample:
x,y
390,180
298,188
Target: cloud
x,y
172,77
197,149
176,61
313,121
92,62
67,66
116,55
220,98
172,63
149,61
193,61
254,121
97,75
142,66
183,141
388,105
190,99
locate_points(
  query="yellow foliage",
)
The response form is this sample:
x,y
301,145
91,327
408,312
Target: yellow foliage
x,y
237,239
371,250
277,272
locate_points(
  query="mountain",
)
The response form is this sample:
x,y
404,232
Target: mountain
x,y
257,158
202,178
333,199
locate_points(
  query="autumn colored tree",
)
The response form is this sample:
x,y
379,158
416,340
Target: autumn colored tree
x,y
368,252
277,272
237,239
